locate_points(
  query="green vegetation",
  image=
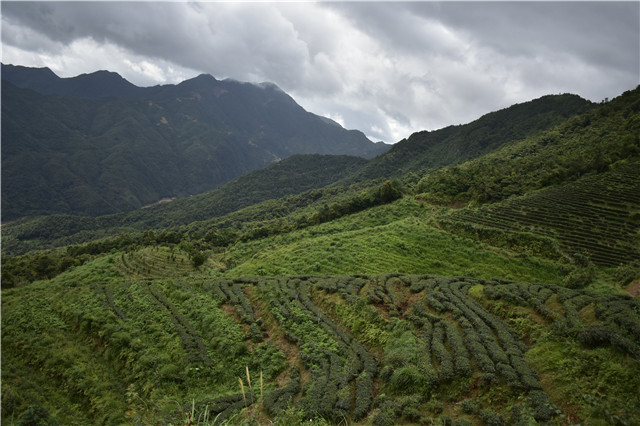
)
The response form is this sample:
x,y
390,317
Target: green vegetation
x,y
456,144
592,219
431,347
503,290
587,143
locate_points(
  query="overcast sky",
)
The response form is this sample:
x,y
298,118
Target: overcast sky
x,y
386,68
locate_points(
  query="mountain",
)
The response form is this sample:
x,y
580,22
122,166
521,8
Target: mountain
x,y
100,84
559,154
456,144
74,150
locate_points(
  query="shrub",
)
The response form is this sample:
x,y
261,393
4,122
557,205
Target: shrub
x,y
624,274
491,418
406,380
33,415
580,277
470,406
543,408
602,335
198,259
364,395
386,416
434,406
169,372
268,358
414,414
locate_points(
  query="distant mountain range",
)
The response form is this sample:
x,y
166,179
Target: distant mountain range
x,y
96,144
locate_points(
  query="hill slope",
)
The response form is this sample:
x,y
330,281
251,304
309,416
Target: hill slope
x,y
388,348
559,153
456,144
296,174
92,155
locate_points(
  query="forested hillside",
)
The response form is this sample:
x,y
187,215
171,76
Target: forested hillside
x,y
500,290
456,144
75,151
294,175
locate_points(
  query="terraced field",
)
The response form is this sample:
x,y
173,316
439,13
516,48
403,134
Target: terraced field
x,y
153,262
381,349
596,217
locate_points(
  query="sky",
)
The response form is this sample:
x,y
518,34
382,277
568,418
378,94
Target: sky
x,y
386,68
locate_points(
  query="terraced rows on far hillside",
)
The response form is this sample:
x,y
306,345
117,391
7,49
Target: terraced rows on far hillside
x,y
151,262
597,216
381,348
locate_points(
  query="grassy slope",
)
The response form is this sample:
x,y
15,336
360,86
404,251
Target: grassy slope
x,y
390,238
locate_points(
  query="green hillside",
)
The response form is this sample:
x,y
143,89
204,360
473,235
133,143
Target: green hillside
x,y
294,175
501,290
375,349
456,144
595,218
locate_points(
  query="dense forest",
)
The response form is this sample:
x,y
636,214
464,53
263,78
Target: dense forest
x,y
419,287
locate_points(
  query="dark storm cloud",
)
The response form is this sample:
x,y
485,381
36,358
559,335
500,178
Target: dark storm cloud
x,y
386,68
602,33
213,37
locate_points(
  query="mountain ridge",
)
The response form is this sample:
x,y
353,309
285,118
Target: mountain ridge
x,y
93,155
98,84
458,143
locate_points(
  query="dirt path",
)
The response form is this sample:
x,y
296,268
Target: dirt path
x,y
634,288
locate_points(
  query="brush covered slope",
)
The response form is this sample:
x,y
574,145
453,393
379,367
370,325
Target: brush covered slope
x,y
293,175
373,304
75,150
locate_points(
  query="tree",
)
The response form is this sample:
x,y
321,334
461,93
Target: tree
x,y
388,192
198,258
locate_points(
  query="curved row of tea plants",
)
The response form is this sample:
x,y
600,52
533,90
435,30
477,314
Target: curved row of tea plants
x,y
597,218
365,349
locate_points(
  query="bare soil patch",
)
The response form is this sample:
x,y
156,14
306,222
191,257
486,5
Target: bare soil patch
x,y
634,288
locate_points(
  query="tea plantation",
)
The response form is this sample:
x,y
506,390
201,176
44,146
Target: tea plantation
x,y
381,349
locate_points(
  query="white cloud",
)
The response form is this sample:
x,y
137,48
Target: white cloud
x,y
335,117
86,56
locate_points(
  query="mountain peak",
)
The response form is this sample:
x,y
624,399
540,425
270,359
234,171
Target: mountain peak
x,y
99,84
